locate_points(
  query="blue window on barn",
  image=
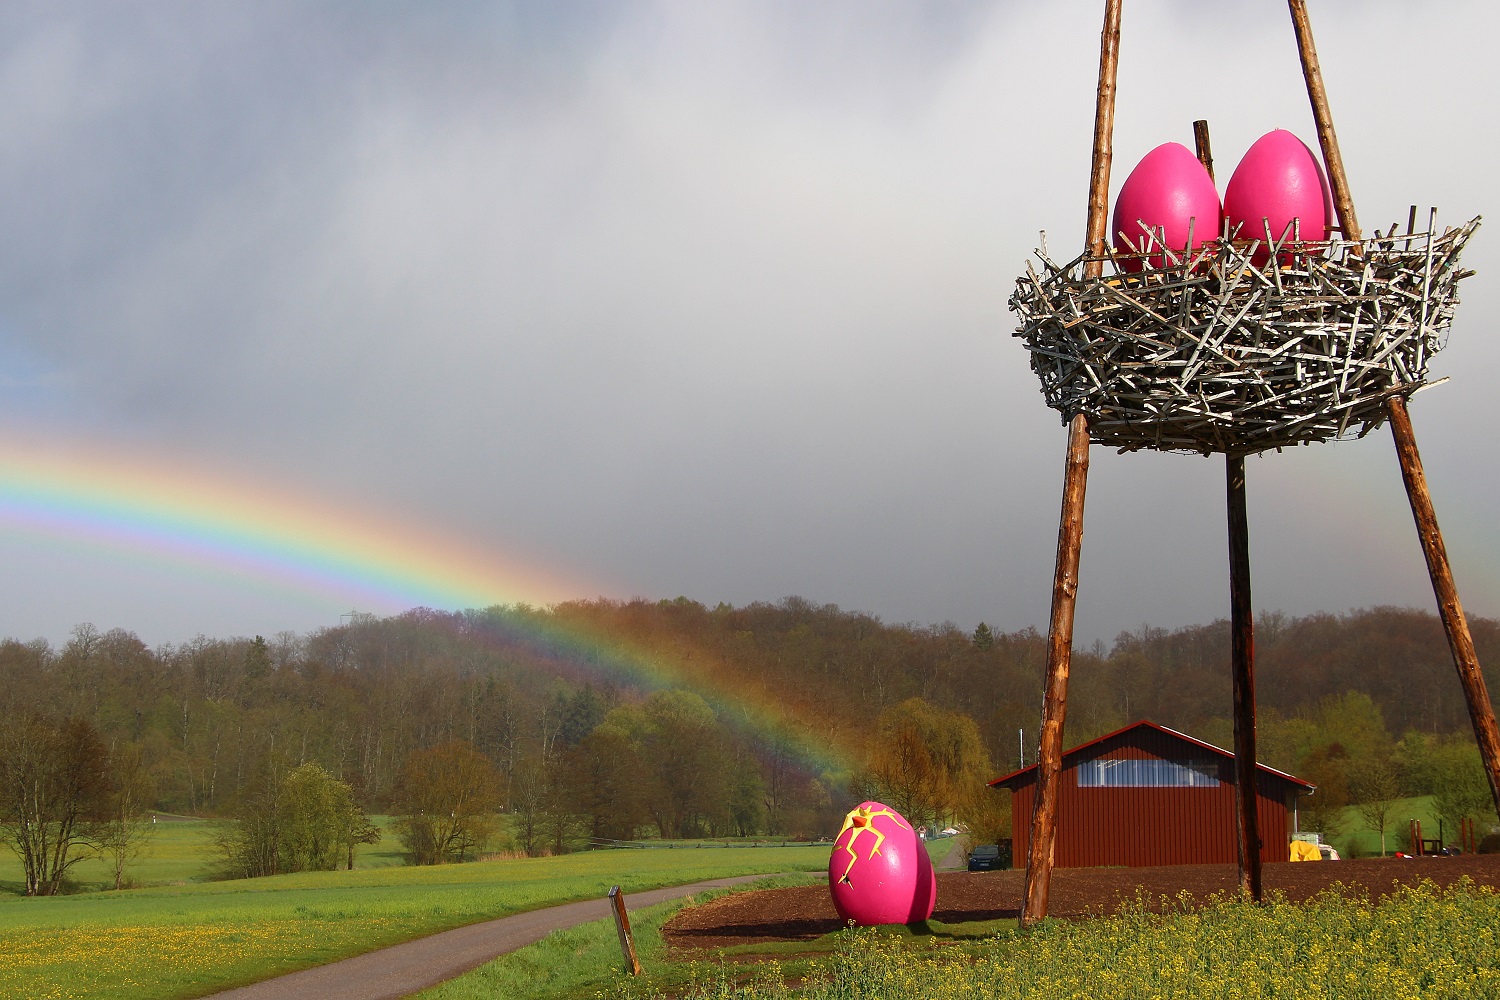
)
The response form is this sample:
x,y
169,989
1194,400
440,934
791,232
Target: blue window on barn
x,y
1150,773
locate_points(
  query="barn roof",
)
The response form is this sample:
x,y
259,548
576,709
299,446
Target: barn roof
x,y
1025,774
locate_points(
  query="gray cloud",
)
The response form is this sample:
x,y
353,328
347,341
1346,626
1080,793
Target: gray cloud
x,y
684,298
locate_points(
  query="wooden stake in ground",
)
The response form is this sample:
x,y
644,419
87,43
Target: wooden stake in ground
x,y
622,927
1460,642
1070,527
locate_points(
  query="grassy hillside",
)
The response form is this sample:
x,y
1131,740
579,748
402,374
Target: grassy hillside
x,y
192,940
1355,838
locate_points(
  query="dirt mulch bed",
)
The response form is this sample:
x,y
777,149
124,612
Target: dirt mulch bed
x,y
805,913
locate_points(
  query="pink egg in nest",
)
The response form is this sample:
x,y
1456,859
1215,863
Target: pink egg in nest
x,y
1167,196
875,872
1278,180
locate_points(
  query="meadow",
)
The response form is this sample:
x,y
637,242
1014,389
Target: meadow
x,y
1420,943
1355,838
195,939
179,850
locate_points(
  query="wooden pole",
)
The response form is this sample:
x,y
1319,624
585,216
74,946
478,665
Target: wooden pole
x,y
1104,137
1059,659
1242,664
1333,160
1460,642
1039,853
1242,640
1200,142
622,927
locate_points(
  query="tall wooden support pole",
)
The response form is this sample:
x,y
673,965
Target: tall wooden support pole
x,y
1242,661
1460,642
1242,640
1333,160
1059,659
1070,528
1104,138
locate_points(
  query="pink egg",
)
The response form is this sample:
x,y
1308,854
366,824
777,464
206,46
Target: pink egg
x,y
875,868
1279,180
925,899
1167,192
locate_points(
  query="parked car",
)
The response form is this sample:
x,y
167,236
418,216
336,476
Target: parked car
x,y
985,858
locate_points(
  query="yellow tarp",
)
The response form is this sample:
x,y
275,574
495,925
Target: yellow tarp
x,y
1303,851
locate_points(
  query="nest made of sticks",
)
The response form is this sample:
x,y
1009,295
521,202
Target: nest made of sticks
x,y
1210,352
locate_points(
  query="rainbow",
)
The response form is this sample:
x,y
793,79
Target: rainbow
x,y
161,509
581,650
145,504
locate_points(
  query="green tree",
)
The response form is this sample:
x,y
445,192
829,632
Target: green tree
x,y
1373,786
983,637
299,820
1460,789
446,798
603,777
689,761
927,763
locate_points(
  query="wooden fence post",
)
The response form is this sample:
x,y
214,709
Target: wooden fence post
x,y
622,926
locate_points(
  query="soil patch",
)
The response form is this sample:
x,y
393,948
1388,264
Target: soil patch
x,y
806,912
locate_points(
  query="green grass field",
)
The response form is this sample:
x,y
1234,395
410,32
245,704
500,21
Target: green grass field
x,y
178,851
191,940
1355,838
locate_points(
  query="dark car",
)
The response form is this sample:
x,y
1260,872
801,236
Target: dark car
x,y
985,858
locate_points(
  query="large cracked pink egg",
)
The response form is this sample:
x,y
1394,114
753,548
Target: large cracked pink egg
x,y
924,900
875,870
1168,193
1278,180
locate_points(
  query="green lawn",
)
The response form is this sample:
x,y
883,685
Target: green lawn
x,y
1355,838
579,963
195,939
179,850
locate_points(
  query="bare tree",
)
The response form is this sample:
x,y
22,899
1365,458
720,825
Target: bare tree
x,y
54,795
1372,784
127,828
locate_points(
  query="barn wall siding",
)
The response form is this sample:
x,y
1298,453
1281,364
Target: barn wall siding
x,y
1135,826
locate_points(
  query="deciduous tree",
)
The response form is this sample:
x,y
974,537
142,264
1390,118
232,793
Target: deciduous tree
x,y
54,795
447,797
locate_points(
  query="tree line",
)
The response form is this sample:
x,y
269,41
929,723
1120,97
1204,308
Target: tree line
x,y
536,714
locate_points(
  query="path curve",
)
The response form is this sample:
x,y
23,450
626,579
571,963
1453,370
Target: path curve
x,y
404,969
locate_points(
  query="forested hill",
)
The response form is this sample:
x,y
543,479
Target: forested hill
x,y
527,686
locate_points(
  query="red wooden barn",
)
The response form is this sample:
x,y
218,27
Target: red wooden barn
x,y
1148,795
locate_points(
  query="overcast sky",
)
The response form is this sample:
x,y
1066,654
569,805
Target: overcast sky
x,y
684,298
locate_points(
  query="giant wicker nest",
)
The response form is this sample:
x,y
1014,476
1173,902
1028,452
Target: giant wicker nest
x,y
1210,352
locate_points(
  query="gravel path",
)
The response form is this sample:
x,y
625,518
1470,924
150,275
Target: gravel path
x,y
404,969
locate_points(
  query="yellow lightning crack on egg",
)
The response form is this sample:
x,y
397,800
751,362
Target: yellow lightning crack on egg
x,y
862,819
